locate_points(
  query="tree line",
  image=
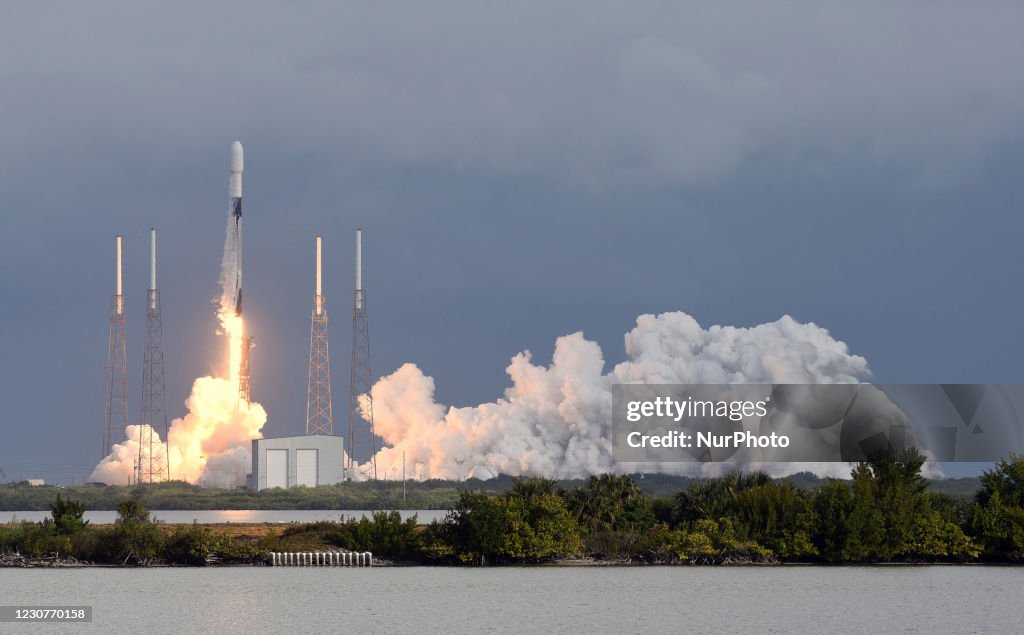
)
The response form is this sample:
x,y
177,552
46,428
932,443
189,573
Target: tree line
x,y
885,513
380,495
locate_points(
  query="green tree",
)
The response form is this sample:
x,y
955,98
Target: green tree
x,y
833,506
865,520
191,545
888,514
714,498
935,537
899,493
998,519
386,534
509,528
132,510
133,537
550,529
527,488
777,516
1005,479
68,516
611,501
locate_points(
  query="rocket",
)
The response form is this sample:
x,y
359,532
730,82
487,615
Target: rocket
x,y
235,194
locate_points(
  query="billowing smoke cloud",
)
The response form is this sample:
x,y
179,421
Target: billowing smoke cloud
x,y
211,444
556,420
117,467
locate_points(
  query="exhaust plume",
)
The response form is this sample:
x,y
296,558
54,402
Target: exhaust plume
x,y
211,444
555,420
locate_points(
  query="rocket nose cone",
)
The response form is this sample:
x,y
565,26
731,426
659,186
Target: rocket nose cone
x,y
236,157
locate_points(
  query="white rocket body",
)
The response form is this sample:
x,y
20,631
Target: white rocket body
x,y
237,166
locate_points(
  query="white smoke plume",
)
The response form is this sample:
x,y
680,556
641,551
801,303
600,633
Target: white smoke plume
x,y
117,467
555,421
211,445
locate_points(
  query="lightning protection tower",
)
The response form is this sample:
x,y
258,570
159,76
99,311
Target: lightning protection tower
x,y
116,416
319,416
153,464
360,419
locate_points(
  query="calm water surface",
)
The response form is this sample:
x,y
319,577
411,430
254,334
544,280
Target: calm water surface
x,y
206,516
936,599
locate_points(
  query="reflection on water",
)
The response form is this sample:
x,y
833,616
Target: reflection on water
x,y
209,516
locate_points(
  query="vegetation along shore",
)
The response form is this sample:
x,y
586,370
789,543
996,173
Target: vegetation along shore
x,y
886,513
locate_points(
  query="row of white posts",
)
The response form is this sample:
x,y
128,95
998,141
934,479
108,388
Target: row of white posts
x,y
321,559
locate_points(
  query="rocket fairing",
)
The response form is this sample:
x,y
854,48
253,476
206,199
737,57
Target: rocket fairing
x,y
235,194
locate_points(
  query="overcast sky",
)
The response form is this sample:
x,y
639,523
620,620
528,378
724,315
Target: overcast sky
x,y
521,170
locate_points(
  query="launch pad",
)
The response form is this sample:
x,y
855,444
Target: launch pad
x,y
224,402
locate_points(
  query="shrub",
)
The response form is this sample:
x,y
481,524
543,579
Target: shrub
x,y
68,516
189,545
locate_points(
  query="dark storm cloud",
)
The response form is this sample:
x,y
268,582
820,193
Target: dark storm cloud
x,y
524,170
596,90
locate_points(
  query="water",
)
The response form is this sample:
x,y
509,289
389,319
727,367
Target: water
x,y
916,599
210,516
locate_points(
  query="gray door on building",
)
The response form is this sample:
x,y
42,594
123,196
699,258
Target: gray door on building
x,y
277,468
306,467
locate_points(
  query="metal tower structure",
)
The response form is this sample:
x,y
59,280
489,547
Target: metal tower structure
x,y
319,416
116,419
153,462
360,420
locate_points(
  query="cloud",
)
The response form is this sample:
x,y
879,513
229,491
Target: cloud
x,y
556,420
673,94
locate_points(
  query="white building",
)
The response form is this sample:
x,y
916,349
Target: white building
x,y
293,461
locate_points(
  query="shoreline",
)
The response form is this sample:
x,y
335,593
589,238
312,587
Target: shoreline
x,y
15,561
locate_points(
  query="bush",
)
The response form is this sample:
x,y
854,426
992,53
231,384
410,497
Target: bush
x,y
68,516
191,545
384,534
483,529
132,538
131,542
713,542
34,540
132,510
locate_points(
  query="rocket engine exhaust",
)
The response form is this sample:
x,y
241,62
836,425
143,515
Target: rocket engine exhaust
x,y
210,444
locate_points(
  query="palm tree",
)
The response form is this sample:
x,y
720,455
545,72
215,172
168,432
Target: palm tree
x,y
602,500
528,488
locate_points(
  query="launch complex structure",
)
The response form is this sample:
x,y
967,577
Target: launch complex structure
x,y
116,410
361,443
360,415
152,464
153,461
